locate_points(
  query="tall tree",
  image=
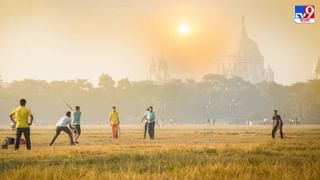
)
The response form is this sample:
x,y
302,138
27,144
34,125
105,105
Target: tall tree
x,y
106,81
124,84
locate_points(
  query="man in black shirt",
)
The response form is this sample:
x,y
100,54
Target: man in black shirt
x,y
277,124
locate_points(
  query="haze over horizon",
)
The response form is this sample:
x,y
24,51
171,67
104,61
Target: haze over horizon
x,y
61,40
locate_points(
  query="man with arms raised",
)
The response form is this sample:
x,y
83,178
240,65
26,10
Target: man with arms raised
x,y
76,123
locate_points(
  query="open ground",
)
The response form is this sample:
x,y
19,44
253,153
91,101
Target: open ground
x,y
178,152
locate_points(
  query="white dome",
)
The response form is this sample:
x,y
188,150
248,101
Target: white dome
x,y
244,60
245,48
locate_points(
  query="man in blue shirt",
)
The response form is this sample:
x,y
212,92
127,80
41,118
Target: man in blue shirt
x,y
76,123
151,120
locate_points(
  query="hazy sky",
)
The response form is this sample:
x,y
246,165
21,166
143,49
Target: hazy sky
x,y
68,39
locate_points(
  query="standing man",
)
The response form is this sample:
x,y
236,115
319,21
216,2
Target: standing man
x,y
277,124
145,120
20,117
76,123
114,122
151,119
64,124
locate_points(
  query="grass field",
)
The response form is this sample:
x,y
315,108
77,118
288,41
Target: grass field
x,y
187,152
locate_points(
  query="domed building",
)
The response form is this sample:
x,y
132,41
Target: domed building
x,y
244,60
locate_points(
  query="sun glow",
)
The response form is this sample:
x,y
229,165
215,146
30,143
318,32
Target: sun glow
x,y
184,29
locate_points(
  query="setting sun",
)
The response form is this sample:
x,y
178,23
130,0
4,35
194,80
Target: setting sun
x,y
184,29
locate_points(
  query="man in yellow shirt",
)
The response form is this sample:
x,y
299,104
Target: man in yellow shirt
x,y
20,117
114,122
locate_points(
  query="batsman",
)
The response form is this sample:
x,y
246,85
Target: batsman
x,y
75,121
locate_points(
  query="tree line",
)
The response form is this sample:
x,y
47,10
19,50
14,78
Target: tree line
x,y
213,97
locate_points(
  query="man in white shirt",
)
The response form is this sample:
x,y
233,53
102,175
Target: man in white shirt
x,y
64,124
145,120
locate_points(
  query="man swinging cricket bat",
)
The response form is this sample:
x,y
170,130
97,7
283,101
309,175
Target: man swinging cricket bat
x,y
75,121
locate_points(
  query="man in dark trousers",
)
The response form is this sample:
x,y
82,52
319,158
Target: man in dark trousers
x,y
76,123
64,124
20,118
145,120
277,124
151,120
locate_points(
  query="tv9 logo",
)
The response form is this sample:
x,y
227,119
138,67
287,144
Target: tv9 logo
x,y
305,14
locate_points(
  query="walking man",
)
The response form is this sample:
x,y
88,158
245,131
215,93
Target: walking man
x,y
76,123
20,118
64,124
151,120
114,122
277,124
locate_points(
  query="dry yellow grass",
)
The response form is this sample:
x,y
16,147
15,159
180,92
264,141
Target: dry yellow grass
x,y
184,152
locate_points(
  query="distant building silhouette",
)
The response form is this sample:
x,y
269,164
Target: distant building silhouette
x,y
244,60
159,71
316,69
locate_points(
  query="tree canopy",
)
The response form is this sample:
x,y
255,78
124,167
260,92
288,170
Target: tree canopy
x,y
185,101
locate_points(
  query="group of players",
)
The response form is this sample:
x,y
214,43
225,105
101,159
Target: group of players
x,y
22,118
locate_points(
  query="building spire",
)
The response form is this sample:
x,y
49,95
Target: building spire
x,y
243,29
